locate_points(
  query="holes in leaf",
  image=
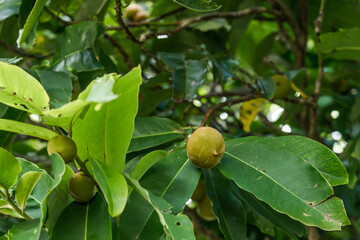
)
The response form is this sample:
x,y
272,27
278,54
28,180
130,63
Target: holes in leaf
x,y
14,93
24,106
264,171
178,223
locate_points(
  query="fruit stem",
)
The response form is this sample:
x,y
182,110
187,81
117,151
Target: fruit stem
x,y
86,171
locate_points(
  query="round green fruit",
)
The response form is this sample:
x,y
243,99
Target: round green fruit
x,y
81,188
283,86
131,11
205,209
199,192
64,146
205,147
140,16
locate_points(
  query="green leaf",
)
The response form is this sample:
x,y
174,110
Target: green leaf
x,y
343,44
199,5
290,226
84,221
28,230
13,168
7,209
72,46
170,174
175,226
173,60
146,162
283,180
58,85
24,187
64,115
43,184
57,199
113,185
112,125
31,21
48,209
9,8
187,80
27,129
20,90
153,131
226,206
313,152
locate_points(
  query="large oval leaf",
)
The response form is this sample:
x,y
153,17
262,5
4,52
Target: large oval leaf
x,y
313,152
113,185
84,221
112,124
286,182
10,168
20,90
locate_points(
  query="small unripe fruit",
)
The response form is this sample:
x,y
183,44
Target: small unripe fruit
x,y
131,11
199,192
140,16
283,86
64,146
205,210
206,147
81,188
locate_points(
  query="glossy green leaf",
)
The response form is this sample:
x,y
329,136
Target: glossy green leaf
x,y
9,8
99,91
343,44
173,60
146,162
48,209
28,230
73,44
283,180
291,227
64,115
113,185
26,129
79,61
313,152
175,226
24,187
13,168
170,174
84,221
199,5
112,124
20,90
58,85
188,79
31,20
57,199
226,206
153,131
43,184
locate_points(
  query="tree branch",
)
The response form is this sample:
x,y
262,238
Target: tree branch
x,y
186,22
121,22
120,49
312,133
227,103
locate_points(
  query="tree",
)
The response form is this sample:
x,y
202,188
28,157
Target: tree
x,y
277,78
